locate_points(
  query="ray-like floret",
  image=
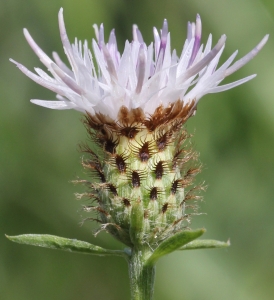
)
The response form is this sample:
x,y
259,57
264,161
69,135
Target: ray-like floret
x,y
143,76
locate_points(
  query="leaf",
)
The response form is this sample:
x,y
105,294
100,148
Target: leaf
x,y
60,243
205,244
173,243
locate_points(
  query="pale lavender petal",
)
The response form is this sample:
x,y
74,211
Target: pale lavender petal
x,y
37,50
140,37
66,79
123,66
101,61
65,41
213,64
241,62
113,49
184,59
101,40
137,35
173,69
203,62
141,69
96,31
44,75
112,38
134,32
62,65
132,63
167,54
189,31
199,55
157,42
55,87
110,64
208,45
88,62
63,33
198,34
164,36
52,104
231,85
225,65
165,65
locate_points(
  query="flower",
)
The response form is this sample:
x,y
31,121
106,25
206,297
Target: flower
x,y
143,77
135,105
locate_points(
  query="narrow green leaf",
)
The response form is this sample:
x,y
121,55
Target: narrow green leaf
x,y
205,244
60,243
173,243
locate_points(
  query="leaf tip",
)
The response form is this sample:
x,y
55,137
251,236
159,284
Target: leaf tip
x,y
12,238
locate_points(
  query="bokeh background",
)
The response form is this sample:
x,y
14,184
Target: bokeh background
x,y
234,132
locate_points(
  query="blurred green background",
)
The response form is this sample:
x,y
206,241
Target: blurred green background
x,y
234,132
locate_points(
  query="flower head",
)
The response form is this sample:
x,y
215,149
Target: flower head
x,y
135,104
143,76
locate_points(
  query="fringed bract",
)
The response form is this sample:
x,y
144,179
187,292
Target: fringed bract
x,y
143,166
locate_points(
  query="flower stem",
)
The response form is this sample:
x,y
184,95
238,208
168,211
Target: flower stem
x,y
141,276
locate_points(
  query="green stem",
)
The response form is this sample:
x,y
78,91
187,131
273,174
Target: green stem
x,y
141,276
